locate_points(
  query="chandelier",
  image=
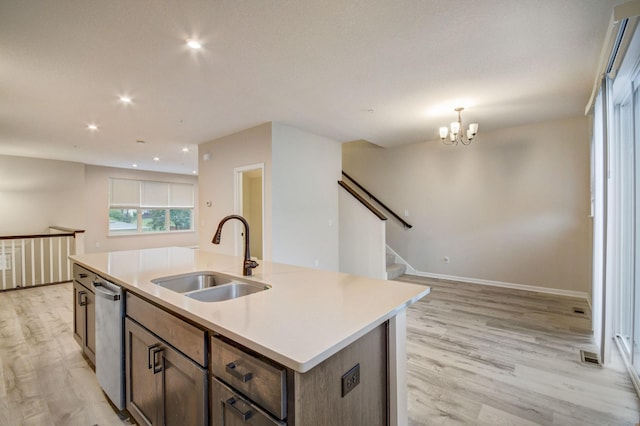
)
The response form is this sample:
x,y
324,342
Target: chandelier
x,y
453,135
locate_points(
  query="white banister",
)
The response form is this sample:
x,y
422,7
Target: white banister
x,y
22,266
51,259
33,263
41,261
3,260
13,262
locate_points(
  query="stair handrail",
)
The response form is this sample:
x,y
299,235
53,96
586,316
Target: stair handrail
x,y
364,202
373,197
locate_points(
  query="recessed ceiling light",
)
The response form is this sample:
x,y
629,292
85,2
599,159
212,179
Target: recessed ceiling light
x,y
134,165
156,158
125,99
93,127
194,172
185,149
194,44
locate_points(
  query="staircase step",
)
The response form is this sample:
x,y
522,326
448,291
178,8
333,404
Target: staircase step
x,y
391,258
395,270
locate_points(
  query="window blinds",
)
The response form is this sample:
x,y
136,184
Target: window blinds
x,y
150,194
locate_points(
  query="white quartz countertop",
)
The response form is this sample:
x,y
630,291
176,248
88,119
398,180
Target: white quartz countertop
x,y
305,317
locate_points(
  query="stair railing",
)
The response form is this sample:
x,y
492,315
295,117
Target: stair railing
x,y
364,202
380,203
38,259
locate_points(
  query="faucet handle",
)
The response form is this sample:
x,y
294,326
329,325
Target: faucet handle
x,y
250,264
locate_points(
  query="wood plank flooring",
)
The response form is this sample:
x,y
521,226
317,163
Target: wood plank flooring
x,y
481,355
478,355
44,380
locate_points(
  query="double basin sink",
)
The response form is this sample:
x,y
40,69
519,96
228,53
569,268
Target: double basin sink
x,y
209,286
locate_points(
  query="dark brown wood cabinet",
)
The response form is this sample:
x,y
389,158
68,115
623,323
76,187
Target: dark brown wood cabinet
x,y
163,385
319,395
84,313
246,388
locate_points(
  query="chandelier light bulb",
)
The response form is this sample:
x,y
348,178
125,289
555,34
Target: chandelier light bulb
x,y
456,134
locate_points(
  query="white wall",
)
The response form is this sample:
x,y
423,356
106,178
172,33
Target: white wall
x,y
36,194
216,183
306,169
512,207
96,208
362,239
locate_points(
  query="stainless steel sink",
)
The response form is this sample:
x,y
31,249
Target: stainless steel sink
x,y
192,282
209,286
226,292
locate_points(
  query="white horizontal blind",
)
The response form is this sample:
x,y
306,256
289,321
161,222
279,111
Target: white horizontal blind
x,y
155,194
124,192
150,194
181,195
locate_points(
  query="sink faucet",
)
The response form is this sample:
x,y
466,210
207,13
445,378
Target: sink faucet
x,y
248,263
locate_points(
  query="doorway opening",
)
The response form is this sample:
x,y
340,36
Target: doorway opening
x,y
249,203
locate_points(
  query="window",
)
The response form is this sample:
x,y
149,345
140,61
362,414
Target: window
x,y
142,207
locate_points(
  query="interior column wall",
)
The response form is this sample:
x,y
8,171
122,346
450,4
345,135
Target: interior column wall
x,y
306,170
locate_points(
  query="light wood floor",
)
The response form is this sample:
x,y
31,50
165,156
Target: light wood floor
x,y
477,356
482,355
44,380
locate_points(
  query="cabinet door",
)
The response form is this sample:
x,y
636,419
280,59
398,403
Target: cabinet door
x,y
79,301
184,390
141,349
89,346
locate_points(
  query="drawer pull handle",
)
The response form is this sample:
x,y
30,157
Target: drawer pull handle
x,y
152,362
231,369
244,415
82,298
83,275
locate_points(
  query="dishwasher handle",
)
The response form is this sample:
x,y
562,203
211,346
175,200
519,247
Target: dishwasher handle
x,y
103,292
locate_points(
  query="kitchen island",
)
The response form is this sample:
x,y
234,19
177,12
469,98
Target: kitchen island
x,y
310,325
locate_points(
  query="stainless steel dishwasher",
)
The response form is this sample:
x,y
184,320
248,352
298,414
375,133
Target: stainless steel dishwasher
x,y
110,340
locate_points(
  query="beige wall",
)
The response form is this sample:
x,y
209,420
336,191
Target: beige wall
x,y
252,208
216,183
512,207
300,201
36,194
96,208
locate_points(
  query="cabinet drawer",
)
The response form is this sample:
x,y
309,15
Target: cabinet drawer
x,y
228,408
185,337
83,276
256,378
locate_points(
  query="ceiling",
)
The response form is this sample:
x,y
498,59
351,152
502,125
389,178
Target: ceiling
x,y
387,71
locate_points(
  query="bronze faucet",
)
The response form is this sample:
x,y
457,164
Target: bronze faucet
x,y
248,263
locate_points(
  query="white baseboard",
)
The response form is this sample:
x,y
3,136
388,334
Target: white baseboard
x,y
537,289
560,292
